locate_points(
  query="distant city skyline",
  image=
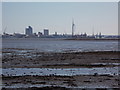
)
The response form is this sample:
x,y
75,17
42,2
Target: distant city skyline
x,y
88,17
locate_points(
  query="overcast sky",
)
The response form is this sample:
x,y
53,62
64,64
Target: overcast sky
x,y
57,17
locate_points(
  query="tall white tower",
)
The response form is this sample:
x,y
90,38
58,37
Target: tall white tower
x,y
73,27
93,31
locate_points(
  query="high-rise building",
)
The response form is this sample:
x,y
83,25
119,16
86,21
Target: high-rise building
x,y
55,33
100,36
29,30
46,32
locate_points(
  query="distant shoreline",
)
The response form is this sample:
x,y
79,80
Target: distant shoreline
x,y
80,39
92,39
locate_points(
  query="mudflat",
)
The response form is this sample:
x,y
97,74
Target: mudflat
x,y
28,58
80,81
21,58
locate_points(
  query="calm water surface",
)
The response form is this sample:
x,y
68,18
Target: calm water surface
x,y
58,45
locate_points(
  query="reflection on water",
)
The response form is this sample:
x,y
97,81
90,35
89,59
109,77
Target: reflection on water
x,y
59,71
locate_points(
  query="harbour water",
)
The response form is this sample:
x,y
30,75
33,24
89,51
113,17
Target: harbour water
x,y
59,45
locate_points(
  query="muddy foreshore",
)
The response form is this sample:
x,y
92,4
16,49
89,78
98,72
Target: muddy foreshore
x,y
20,58
27,58
80,81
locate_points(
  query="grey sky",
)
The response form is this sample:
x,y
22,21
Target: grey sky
x,y
103,16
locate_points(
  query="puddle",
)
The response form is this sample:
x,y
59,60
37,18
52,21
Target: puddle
x,y
39,86
105,64
59,71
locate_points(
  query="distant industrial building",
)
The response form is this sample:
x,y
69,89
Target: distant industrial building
x,y
18,35
29,30
46,32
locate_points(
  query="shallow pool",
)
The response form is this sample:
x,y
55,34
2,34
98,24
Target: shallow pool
x,y
59,71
